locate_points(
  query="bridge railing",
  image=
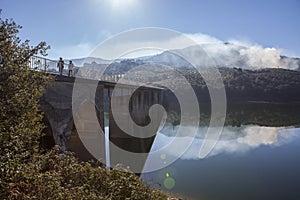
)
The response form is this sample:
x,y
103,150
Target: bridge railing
x,y
45,65
42,64
50,66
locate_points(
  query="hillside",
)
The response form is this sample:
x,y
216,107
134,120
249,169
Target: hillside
x,y
268,84
272,84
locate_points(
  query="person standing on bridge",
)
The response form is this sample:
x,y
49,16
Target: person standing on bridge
x,y
71,66
60,66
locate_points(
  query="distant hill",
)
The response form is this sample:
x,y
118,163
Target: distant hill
x,y
80,61
228,55
222,54
269,85
247,75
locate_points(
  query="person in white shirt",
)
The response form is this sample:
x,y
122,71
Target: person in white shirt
x,y
71,66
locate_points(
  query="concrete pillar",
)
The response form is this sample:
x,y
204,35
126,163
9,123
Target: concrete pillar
x,y
56,103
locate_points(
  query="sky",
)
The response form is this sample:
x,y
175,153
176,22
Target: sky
x,y
73,28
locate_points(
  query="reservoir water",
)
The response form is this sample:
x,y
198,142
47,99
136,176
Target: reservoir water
x,y
250,161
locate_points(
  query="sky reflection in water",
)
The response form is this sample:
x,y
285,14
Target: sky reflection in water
x,y
233,139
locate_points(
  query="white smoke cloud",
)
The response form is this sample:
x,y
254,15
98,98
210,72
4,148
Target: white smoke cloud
x,y
241,53
290,63
259,57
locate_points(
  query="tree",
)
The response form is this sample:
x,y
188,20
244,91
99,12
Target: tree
x,y
20,89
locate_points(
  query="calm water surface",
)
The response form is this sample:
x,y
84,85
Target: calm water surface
x,y
248,162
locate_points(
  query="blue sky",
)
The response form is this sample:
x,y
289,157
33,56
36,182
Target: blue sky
x,y
74,27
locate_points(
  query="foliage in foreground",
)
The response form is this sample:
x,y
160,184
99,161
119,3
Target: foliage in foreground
x,y
26,173
61,176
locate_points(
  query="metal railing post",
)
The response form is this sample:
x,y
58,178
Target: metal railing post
x,y
45,65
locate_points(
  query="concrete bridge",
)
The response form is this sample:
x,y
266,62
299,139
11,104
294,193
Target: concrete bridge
x,y
56,104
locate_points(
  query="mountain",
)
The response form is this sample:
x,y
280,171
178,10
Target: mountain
x,y
167,58
80,61
227,55
220,55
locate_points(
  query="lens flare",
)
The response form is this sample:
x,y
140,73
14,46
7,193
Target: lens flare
x,y
169,183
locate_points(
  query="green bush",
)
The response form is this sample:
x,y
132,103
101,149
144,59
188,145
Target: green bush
x,y
62,176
